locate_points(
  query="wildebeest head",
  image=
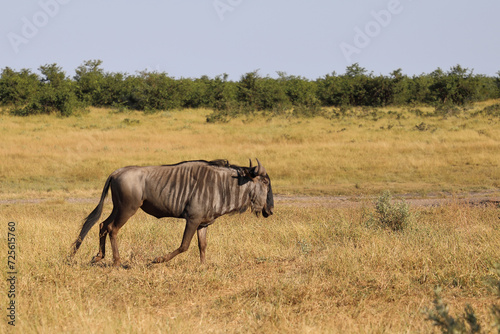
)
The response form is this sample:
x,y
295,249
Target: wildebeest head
x,y
262,196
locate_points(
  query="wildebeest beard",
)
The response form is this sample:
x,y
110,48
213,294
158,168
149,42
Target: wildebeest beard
x,y
257,206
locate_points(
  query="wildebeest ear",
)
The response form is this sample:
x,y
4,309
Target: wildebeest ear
x,y
244,176
252,171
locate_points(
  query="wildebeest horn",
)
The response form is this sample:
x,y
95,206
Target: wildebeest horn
x,y
260,170
250,160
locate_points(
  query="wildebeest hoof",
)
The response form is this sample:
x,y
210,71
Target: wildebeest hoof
x,y
95,259
118,265
159,259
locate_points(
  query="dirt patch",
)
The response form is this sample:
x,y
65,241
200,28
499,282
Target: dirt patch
x,y
471,198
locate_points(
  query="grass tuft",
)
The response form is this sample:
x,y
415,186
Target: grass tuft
x,y
394,216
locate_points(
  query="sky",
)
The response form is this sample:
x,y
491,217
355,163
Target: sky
x,y
191,38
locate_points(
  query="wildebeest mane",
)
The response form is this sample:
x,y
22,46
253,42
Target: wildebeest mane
x,y
216,163
243,172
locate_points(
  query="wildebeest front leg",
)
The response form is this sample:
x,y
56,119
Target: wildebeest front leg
x,y
202,242
189,231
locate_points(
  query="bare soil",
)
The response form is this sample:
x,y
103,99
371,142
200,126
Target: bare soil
x,y
430,200
491,197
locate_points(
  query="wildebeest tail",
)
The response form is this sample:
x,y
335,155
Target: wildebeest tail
x,y
92,218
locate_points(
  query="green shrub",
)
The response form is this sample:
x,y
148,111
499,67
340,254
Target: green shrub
x,y
26,93
218,116
493,110
220,93
17,88
55,95
468,322
442,319
255,93
307,110
395,216
89,80
156,91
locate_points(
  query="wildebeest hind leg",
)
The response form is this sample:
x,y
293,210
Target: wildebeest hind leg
x,y
103,232
121,218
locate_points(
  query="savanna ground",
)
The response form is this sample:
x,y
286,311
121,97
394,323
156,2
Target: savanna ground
x,y
312,267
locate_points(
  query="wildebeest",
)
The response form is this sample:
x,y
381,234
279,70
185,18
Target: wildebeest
x,y
198,191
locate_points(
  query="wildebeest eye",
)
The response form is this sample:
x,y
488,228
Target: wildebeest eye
x,y
265,180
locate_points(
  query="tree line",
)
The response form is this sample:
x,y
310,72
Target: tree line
x,y
52,91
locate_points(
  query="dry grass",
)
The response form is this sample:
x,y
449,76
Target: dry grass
x,y
309,268
49,156
316,270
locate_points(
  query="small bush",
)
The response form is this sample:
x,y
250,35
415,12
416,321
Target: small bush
x,y
425,127
218,116
493,110
395,216
307,111
446,110
468,322
442,319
